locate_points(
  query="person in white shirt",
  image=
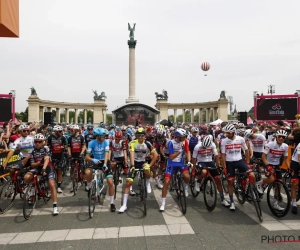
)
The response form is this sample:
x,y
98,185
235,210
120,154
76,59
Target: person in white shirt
x,y
257,142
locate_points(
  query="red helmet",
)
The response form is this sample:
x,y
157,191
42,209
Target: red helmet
x,y
118,135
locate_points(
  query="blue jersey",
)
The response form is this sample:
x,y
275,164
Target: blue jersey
x,y
98,149
175,147
193,142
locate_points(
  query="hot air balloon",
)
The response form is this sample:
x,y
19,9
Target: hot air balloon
x,y
205,67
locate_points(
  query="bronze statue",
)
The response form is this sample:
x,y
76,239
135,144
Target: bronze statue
x,y
131,34
163,96
101,97
33,91
222,95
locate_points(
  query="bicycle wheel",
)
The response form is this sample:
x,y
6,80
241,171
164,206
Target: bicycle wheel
x,y
29,201
102,191
224,181
181,195
255,200
279,199
7,196
287,180
116,179
46,190
92,199
193,189
210,193
75,181
239,191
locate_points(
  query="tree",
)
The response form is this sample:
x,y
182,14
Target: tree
x,y
171,118
196,117
109,118
22,116
89,116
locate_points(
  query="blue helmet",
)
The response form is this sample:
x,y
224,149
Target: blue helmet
x,y
106,132
112,126
99,132
102,125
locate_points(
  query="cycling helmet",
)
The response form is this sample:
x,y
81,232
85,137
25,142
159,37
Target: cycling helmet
x,y
57,128
172,129
160,131
106,131
24,127
240,131
39,137
230,128
149,129
123,127
210,137
75,127
207,142
194,129
140,131
281,133
112,126
180,132
102,125
241,125
118,135
99,132
90,126
248,133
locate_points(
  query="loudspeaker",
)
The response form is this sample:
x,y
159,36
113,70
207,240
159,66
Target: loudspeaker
x,y
47,118
243,117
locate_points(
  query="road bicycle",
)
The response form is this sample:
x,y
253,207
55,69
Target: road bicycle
x,y
77,176
36,190
116,174
142,188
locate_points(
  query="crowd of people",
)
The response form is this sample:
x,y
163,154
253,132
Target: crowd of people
x,y
155,148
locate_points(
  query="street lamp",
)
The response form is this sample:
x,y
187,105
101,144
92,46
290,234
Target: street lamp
x,y
271,89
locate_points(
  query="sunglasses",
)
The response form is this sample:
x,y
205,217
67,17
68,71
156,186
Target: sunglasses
x,y
59,131
27,131
139,136
281,137
38,142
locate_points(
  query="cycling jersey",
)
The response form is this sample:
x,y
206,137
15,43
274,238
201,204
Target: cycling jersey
x,y
39,154
204,154
296,153
25,144
56,145
150,138
76,143
193,141
88,138
165,146
98,149
175,147
233,148
126,138
117,148
274,152
258,143
141,150
158,142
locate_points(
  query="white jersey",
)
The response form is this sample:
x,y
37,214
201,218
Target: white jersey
x,y
25,144
233,148
274,152
258,143
204,154
296,153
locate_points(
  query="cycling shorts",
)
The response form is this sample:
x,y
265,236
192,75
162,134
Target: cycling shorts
x,y
120,161
295,166
213,172
277,171
137,165
108,173
170,170
231,166
49,171
58,163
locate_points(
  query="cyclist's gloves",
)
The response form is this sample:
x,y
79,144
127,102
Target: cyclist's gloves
x,y
132,169
105,167
96,161
43,171
146,166
70,157
189,164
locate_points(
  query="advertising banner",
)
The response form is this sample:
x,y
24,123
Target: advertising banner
x,y
276,109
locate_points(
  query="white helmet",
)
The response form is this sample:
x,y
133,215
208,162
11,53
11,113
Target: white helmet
x,y
194,129
180,132
230,128
172,128
281,132
241,125
57,128
160,131
210,137
207,142
39,137
240,131
75,126
24,127
248,133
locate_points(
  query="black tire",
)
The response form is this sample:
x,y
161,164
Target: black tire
x,y
47,191
210,190
92,199
116,179
285,191
287,180
30,196
255,200
7,196
22,186
224,181
75,181
143,191
193,189
239,191
181,195
102,186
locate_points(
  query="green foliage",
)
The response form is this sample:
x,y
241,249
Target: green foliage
x,y
22,116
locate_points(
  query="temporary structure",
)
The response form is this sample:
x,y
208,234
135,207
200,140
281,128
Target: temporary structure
x,y
216,122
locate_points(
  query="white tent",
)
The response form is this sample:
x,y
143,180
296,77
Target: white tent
x,y
216,122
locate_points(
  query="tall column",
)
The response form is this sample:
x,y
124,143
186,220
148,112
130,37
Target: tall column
x,y
104,115
200,115
76,116
175,115
192,115
57,115
41,114
214,114
207,115
67,116
132,98
183,115
49,109
85,117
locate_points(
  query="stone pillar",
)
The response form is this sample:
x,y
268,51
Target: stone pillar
x,y
200,115
192,115
67,115
33,108
207,115
49,109
85,116
175,115
57,115
41,114
132,98
99,105
183,115
223,109
162,105
104,115
76,116
214,114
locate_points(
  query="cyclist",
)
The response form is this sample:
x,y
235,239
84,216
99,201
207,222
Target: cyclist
x,y
231,148
40,162
159,140
257,142
76,148
271,158
89,136
57,142
139,149
178,147
99,148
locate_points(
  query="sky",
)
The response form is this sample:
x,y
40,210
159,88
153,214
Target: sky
x,y
67,48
